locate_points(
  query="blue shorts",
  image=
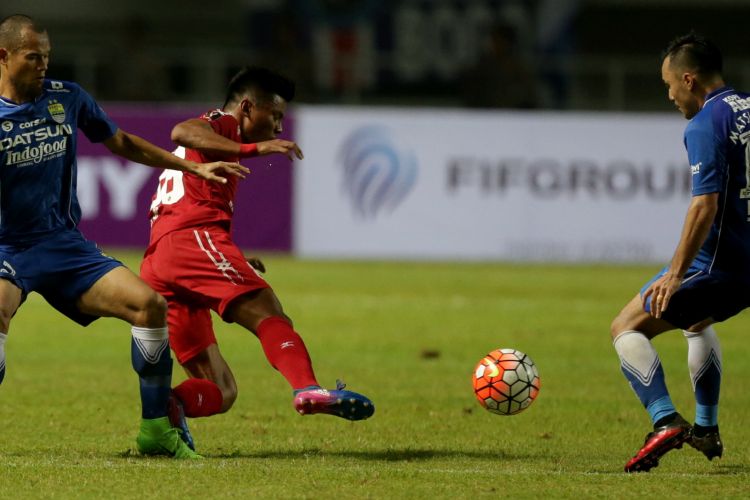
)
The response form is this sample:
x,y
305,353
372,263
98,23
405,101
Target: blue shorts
x,y
701,296
61,269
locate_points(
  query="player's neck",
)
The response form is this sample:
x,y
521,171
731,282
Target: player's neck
x,y
708,88
715,85
10,92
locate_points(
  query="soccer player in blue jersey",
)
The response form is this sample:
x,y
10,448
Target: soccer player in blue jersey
x,y
41,249
708,278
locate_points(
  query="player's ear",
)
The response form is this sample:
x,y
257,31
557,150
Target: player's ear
x,y
246,106
3,54
689,80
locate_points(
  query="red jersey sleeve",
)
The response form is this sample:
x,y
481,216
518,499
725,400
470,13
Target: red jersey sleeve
x,y
226,126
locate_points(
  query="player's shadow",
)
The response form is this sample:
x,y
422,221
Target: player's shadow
x,y
388,455
714,470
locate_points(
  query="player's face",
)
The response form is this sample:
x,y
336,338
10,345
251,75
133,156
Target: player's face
x,y
263,119
679,85
24,69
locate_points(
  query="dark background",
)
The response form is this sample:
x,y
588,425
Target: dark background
x,y
557,54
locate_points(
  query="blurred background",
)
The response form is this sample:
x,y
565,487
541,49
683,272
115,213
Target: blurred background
x,y
433,129
549,54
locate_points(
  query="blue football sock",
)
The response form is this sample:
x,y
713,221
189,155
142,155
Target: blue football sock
x,y
704,362
642,368
153,363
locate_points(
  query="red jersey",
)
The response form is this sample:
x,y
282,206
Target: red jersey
x,y
184,200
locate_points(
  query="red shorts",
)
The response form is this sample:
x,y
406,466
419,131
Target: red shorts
x,y
197,270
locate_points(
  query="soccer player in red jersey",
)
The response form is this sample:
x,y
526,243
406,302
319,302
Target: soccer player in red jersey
x,y
193,262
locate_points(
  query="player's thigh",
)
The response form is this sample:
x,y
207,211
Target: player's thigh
x,y
10,300
122,294
633,317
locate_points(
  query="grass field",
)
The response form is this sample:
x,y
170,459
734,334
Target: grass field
x,y
70,408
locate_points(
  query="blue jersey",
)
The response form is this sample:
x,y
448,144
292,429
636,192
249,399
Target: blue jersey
x,y
38,160
717,140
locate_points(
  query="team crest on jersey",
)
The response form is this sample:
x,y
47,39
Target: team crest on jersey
x,y
57,111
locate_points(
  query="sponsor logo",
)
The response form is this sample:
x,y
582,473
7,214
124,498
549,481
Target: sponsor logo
x,y
550,179
287,344
7,126
31,155
56,85
35,146
32,123
56,110
696,169
378,171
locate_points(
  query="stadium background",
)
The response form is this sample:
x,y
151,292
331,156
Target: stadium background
x,y
420,142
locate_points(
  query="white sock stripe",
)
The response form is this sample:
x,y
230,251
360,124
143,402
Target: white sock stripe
x,y
704,351
637,355
145,349
151,342
646,378
3,337
713,359
143,333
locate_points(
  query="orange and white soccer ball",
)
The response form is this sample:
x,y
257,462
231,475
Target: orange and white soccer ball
x,y
506,381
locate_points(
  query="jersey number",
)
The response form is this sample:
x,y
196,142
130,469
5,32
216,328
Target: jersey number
x,y
170,190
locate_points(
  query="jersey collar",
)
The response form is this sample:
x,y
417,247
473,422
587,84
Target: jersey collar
x,y
716,93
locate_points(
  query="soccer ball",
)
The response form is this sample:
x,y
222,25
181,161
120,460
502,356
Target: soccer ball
x,y
506,381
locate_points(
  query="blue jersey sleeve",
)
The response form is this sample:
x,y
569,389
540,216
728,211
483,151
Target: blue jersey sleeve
x,y
92,119
705,157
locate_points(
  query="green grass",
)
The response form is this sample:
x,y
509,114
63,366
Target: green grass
x,y
70,407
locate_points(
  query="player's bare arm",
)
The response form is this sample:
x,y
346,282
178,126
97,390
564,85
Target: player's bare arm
x,y
139,150
700,216
287,148
197,134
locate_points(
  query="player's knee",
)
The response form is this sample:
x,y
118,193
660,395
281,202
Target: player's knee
x,y
153,312
6,314
617,326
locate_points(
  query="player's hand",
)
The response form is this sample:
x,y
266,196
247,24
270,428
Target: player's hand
x,y
660,293
218,170
287,148
257,264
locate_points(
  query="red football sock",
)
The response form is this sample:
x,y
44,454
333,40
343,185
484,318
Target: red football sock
x,y
200,397
286,352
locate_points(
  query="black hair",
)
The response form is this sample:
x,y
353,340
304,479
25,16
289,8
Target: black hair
x,y
263,82
696,53
10,30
